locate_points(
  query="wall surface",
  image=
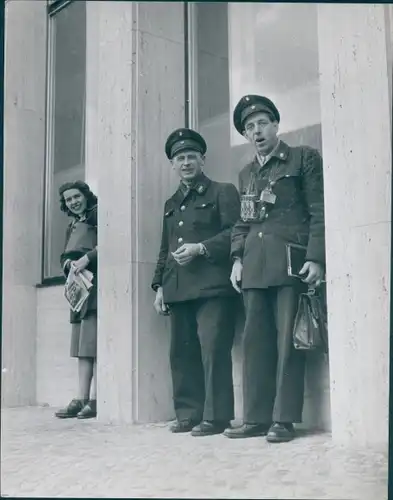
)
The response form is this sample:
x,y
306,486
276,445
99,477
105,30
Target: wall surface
x,y
140,100
24,143
57,372
357,141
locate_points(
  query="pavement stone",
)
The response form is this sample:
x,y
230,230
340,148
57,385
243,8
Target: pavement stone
x,y
42,456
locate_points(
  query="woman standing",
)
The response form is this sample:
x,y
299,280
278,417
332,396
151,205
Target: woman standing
x,y
80,252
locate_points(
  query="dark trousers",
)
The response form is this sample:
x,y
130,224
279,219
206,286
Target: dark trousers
x,y
273,371
201,361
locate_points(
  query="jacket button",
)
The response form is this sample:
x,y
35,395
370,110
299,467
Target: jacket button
x,y
181,223
182,208
260,235
180,240
266,216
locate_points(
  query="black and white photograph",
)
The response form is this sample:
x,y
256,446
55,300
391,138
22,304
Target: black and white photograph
x,y
196,249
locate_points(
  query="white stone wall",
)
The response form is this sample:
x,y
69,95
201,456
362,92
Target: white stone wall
x,y
24,140
140,100
57,372
357,140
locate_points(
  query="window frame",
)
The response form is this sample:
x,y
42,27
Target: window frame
x,y
53,8
191,64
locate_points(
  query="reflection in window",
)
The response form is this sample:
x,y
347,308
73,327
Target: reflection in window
x,y
274,52
66,121
262,48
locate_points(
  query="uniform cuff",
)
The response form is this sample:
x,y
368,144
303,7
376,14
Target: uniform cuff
x,y
203,250
66,263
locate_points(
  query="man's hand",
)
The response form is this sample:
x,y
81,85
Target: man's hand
x,y
159,305
80,264
186,253
236,274
315,273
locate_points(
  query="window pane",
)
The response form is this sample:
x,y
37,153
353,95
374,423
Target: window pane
x,y
262,48
66,120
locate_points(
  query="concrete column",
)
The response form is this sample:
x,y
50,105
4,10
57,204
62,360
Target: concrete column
x,y
24,146
140,100
357,137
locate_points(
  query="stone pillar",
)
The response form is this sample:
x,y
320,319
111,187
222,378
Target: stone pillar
x,y
24,146
357,138
140,100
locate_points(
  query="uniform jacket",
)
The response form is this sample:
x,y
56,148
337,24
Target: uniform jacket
x,y
82,248
205,214
296,217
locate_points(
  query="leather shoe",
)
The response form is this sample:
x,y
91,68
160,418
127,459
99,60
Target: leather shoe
x,y
72,410
182,426
280,433
209,428
247,430
89,410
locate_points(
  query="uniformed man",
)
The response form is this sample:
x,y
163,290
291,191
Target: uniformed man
x,y
281,202
192,285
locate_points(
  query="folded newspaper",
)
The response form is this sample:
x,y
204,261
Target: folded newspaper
x,y
77,288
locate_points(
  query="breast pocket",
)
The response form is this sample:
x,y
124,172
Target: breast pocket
x,y
288,190
204,214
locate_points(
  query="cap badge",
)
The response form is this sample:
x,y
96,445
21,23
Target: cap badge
x,y
180,133
181,142
200,189
253,106
247,98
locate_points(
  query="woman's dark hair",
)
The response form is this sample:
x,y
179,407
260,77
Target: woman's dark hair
x,y
91,198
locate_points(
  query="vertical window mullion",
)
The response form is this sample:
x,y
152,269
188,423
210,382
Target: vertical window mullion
x,y
190,48
193,64
51,64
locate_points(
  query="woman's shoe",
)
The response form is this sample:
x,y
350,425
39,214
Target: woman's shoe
x,y
89,410
72,409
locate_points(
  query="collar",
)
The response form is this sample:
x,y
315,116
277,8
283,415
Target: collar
x,y
200,185
80,218
281,152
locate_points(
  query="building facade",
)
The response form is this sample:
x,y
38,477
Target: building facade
x,y
92,90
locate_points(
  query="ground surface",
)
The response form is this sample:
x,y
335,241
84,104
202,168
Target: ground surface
x,y
44,456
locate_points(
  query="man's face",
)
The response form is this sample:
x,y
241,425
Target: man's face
x,y
188,164
75,201
261,132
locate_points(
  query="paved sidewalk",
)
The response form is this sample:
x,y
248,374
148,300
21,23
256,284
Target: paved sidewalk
x,y
47,457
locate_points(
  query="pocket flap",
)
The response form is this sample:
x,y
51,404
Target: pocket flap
x,y
169,213
203,206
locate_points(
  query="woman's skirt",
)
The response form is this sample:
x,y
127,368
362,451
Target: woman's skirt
x,y
84,337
